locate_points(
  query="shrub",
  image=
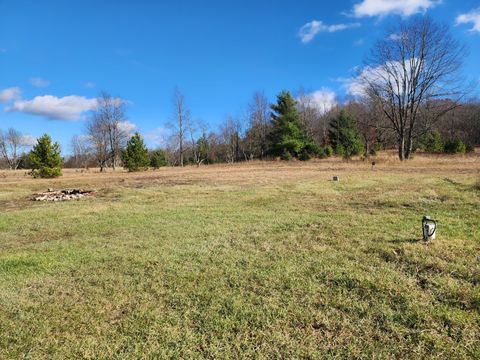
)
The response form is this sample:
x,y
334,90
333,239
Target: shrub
x,y
305,155
455,146
286,155
45,158
158,158
311,148
432,142
339,150
377,146
469,148
321,153
328,150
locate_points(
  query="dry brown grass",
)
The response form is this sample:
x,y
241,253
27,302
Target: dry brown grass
x,y
253,172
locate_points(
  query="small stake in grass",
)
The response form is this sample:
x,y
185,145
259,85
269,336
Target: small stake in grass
x,y
336,178
429,228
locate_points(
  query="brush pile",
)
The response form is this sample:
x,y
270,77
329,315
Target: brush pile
x,y
62,195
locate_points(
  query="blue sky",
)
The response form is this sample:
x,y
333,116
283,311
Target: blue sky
x,y
56,56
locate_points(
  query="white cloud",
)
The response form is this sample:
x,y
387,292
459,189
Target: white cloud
x,y
308,31
324,100
89,85
388,7
127,127
55,108
28,140
354,87
380,75
9,94
394,37
39,82
158,136
470,17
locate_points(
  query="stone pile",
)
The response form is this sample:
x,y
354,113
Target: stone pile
x,y
62,195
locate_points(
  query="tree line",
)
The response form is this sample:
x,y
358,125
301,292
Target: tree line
x,y
409,96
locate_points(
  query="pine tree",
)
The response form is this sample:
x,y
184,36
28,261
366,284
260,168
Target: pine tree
x,y
158,158
344,135
432,142
45,158
287,138
135,156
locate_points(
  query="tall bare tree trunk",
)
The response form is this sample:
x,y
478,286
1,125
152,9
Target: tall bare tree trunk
x,y
180,125
182,117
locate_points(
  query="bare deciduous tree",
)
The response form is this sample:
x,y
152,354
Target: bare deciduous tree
x,y
199,146
231,136
309,114
98,137
259,118
80,150
12,145
413,67
105,130
370,122
182,117
314,109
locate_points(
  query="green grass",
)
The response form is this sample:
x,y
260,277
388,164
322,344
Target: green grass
x,y
284,269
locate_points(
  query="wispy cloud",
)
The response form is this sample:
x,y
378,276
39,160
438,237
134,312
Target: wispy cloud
x,y
158,136
359,42
358,85
472,17
39,82
3,50
89,85
127,127
55,108
394,37
308,31
10,94
28,140
388,7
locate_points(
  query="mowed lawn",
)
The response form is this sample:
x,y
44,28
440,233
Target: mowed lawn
x,y
260,260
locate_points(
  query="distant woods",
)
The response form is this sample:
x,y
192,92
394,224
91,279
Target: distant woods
x,y
409,96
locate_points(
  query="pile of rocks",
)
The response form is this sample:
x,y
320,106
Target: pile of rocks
x,y
62,195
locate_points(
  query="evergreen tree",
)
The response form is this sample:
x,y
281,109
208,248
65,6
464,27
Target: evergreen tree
x,y
45,158
455,146
344,135
287,138
432,142
158,158
135,156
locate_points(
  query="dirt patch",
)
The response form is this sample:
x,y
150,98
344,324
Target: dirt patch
x,y
62,195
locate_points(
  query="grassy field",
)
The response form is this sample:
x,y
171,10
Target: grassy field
x,y
257,260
